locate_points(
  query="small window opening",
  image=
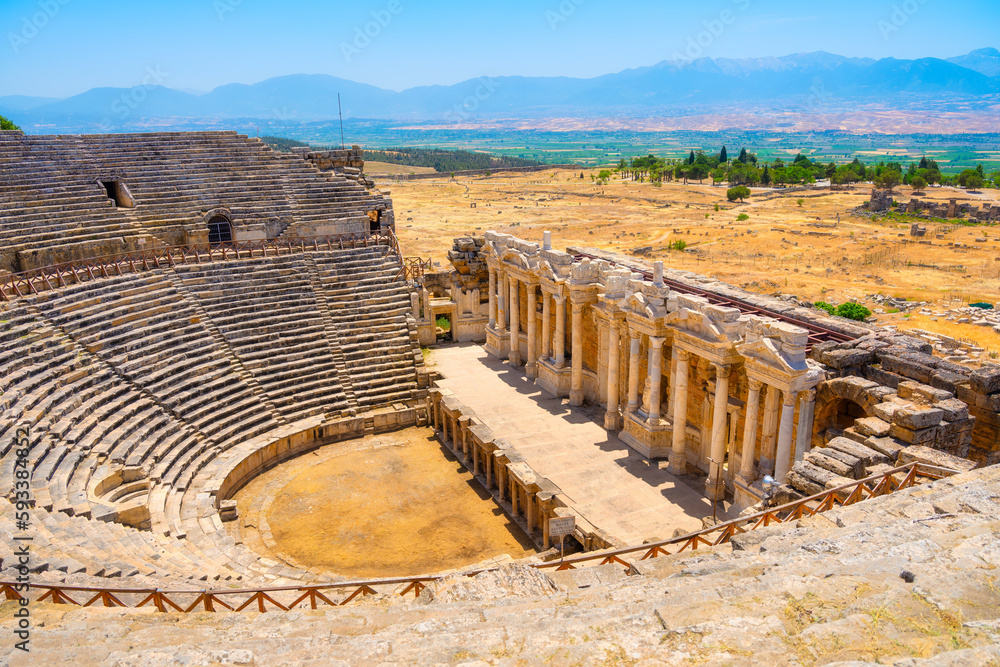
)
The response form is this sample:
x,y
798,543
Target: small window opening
x,y
374,221
219,231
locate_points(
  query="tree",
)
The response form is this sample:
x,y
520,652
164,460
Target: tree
x,y
970,179
765,176
697,172
723,155
743,156
6,124
740,192
923,163
918,183
691,158
889,179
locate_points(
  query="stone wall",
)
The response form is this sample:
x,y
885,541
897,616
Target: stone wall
x,y
924,399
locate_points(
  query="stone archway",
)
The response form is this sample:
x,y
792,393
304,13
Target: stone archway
x,y
841,401
220,231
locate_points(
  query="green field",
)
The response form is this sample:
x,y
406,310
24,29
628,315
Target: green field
x,y
953,153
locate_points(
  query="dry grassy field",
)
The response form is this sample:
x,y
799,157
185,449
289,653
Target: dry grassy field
x,y
806,243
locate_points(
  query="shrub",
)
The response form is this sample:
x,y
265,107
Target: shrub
x,y
823,305
443,323
679,244
853,311
742,216
716,207
800,202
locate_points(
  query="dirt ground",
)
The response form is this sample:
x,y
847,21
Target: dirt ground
x,y
388,168
393,504
805,243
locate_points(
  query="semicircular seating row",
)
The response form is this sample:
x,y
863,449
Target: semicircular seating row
x,y
147,378
50,193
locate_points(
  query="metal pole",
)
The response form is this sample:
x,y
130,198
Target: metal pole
x,y
341,112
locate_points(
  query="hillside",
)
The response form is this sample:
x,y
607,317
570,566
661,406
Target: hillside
x,y
811,79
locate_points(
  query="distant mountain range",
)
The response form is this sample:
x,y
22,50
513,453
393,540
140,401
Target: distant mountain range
x,y
801,81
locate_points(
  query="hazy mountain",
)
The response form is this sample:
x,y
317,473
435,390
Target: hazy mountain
x,y
984,61
805,78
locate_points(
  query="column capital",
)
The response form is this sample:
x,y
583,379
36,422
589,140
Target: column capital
x,y
722,370
614,323
808,395
531,287
656,342
560,299
634,333
577,307
755,384
683,355
788,397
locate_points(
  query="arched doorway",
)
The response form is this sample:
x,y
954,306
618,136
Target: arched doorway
x,y
220,231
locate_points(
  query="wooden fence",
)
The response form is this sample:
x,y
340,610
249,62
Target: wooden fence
x,y
341,593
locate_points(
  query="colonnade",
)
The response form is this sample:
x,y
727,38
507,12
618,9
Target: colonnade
x,y
763,357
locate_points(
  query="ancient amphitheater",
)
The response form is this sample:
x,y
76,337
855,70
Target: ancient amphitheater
x,y
184,312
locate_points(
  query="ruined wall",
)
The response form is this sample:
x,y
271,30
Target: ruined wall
x,y
917,398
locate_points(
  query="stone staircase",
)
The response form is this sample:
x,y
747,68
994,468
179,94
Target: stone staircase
x,y
268,314
370,310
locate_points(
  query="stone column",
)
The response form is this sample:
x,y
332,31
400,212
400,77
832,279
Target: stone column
x,y
770,428
612,422
655,377
576,339
804,429
633,370
782,459
493,298
546,325
531,368
515,323
715,485
672,382
560,342
750,432
501,301
678,457
529,512
415,305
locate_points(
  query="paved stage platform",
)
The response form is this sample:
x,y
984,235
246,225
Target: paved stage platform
x,y
605,482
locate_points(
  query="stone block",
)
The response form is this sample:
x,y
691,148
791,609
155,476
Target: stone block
x,y
888,446
818,458
917,417
947,380
990,402
861,451
885,411
913,437
953,409
907,368
869,426
985,380
921,393
851,434
935,458
847,358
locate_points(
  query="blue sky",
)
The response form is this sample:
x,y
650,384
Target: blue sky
x,y
63,47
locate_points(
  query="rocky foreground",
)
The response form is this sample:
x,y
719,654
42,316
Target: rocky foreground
x,y
908,579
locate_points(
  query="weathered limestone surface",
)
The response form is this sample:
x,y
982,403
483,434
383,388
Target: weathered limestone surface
x,y
906,579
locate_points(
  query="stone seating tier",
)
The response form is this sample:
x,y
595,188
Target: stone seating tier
x,y
148,379
50,187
